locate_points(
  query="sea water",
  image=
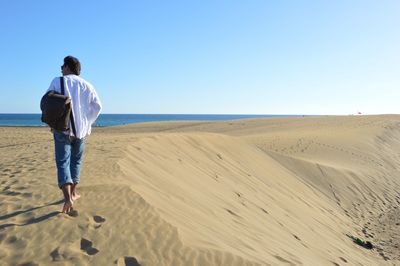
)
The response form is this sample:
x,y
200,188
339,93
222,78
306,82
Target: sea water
x,y
124,119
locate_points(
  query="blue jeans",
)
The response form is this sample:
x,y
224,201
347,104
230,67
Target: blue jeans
x,y
69,153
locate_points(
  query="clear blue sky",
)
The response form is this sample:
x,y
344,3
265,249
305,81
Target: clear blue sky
x,y
208,57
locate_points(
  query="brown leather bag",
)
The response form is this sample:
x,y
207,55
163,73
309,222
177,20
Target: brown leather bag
x,y
56,110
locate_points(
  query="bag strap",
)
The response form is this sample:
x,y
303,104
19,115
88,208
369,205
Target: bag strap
x,y
62,85
72,116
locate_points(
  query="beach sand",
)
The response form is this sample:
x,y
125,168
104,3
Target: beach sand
x,y
273,191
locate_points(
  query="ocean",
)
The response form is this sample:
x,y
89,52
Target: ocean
x,y
105,120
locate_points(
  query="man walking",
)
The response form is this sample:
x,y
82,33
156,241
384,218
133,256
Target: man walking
x,y
69,145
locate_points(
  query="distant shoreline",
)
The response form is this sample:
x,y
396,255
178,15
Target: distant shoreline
x,y
106,120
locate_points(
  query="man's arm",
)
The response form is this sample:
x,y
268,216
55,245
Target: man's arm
x,y
95,106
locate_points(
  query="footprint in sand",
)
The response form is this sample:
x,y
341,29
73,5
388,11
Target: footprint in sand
x,y
56,256
73,213
30,263
12,193
87,246
127,261
99,219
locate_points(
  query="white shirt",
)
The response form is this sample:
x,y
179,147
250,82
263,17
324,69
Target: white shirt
x,y
85,103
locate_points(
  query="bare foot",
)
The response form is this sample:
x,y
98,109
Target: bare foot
x,y
74,193
67,208
75,196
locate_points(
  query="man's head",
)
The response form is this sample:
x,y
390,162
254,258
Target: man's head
x,y
71,66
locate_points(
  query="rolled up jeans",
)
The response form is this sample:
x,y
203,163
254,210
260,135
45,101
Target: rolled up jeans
x,y
69,153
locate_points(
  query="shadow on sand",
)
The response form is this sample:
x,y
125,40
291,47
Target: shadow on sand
x,y
32,220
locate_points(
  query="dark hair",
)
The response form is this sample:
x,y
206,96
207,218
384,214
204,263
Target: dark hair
x,y
73,64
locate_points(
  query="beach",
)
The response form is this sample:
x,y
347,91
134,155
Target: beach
x,y
265,191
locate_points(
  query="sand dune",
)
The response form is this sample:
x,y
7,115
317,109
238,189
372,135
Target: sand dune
x,y
279,191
